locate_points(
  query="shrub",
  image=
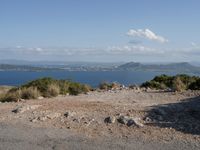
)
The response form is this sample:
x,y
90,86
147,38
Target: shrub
x,y
76,88
2,96
86,88
46,87
105,86
12,96
53,90
42,84
50,87
154,85
164,79
187,80
195,85
179,82
178,85
30,93
64,86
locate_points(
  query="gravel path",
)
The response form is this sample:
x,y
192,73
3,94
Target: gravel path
x,y
43,124
24,138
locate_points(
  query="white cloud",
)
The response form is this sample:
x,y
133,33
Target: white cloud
x,y
39,49
146,33
134,50
118,51
194,45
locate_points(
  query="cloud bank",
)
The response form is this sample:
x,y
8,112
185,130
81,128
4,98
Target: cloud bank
x,y
116,52
147,34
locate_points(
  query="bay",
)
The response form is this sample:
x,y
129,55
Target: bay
x,y
93,78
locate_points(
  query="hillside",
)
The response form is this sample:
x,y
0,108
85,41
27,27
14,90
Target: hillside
x,y
9,67
182,67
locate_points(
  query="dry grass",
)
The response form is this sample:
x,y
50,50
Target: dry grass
x,y
29,93
53,90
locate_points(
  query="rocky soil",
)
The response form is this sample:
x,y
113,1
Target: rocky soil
x,y
120,119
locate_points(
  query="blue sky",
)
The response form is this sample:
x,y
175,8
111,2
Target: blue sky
x,y
100,30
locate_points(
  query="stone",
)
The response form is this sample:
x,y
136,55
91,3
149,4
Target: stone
x,y
69,114
34,120
148,120
135,121
130,121
42,118
40,97
53,115
110,119
21,109
123,119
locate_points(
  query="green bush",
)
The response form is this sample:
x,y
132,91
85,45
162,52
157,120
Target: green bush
x,y
195,85
30,93
109,86
49,87
53,90
64,86
46,87
105,86
41,84
76,88
13,96
179,82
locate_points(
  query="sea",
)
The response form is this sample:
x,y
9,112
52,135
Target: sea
x,y
92,78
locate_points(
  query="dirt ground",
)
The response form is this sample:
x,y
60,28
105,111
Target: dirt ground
x,y
169,120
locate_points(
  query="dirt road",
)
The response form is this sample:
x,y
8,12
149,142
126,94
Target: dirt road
x,y
24,138
169,121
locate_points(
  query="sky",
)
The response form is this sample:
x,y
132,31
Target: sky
x,y
100,30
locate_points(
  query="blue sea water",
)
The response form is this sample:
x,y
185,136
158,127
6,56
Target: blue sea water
x,y
15,78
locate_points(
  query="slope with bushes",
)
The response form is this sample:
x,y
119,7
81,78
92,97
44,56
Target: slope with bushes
x,y
177,83
46,87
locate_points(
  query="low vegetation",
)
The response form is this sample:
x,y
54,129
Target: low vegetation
x,y
45,87
29,93
109,86
177,83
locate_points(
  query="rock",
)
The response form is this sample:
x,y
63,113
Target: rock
x,y
42,118
134,86
76,120
40,97
21,109
148,120
69,114
53,115
135,121
110,119
34,120
129,121
32,107
66,114
123,119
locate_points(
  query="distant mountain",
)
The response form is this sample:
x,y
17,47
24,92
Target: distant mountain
x,y
58,64
8,67
182,67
